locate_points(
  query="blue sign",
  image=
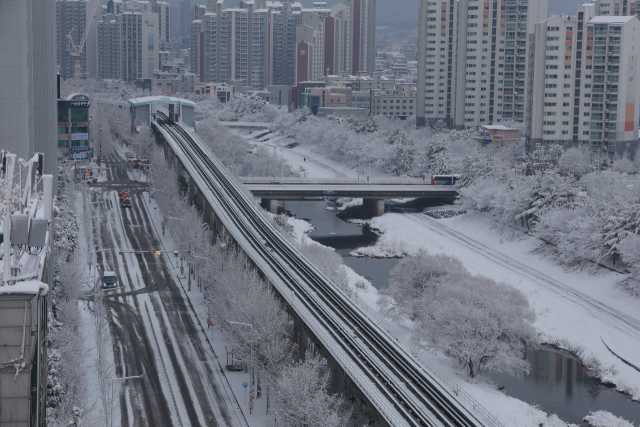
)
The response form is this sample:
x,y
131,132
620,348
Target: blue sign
x,y
328,192
79,149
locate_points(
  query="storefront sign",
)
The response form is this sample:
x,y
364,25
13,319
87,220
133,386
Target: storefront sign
x,y
79,149
79,136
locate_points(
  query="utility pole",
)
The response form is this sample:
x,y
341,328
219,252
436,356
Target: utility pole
x,y
100,147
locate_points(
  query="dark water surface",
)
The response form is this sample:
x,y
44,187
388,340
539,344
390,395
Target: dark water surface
x,y
343,237
557,382
560,385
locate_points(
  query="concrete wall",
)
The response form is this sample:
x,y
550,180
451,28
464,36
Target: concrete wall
x,y
20,393
28,83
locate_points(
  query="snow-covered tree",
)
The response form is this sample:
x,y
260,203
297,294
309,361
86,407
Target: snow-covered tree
x,y
482,324
623,164
283,222
402,154
302,398
576,160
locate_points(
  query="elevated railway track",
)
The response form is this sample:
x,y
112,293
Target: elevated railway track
x,y
380,364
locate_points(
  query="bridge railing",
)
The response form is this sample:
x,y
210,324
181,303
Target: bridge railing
x,y
343,181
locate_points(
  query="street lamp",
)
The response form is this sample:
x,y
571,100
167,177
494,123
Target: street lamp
x,y
250,347
281,167
100,148
121,379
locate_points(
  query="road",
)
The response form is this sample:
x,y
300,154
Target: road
x,y
152,329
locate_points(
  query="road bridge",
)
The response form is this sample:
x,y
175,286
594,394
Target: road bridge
x,y
374,192
367,356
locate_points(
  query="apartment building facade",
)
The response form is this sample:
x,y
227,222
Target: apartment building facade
x,y
71,20
399,102
129,45
584,86
109,42
472,60
282,43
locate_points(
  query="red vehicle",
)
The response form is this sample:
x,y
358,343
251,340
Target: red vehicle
x,y
124,195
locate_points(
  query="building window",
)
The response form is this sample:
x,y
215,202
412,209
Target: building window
x,y
63,114
79,114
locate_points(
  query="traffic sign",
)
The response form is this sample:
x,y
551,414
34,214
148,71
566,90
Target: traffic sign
x,y
328,192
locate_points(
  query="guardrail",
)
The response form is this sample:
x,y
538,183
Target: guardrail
x,y
345,181
446,208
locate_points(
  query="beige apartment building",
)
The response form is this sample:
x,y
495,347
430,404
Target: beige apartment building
x,y
584,82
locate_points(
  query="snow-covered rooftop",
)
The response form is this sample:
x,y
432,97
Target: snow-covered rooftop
x,y
29,287
610,19
496,127
168,99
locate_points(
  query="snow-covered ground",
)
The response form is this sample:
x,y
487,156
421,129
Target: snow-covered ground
x,y
315,165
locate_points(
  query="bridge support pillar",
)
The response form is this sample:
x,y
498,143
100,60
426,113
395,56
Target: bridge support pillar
x,y
270,205
374,207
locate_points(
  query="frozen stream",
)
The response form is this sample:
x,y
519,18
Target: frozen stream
x,y
557,382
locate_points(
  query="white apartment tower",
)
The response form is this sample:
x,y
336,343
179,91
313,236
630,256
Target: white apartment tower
x,y
235,44
130,44
472,60
585,87
163,10
195,47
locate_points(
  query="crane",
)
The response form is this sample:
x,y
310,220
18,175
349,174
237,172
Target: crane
x,y
75,52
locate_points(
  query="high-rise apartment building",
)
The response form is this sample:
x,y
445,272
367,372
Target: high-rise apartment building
x,y
109,42
285,18
280,43
186,16
310,46
196,49
584,82
164,15
472,60
361,35
71,19
235,44
129,45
